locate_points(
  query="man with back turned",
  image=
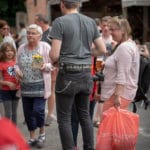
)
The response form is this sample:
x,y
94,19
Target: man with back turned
x,y
72,37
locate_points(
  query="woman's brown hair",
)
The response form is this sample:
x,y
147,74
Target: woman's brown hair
x,y
71,5
3,23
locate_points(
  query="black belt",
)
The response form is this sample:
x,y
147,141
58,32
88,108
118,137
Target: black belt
x,y
73,67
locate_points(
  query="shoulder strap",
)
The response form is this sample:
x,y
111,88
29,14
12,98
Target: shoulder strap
x,y
114,49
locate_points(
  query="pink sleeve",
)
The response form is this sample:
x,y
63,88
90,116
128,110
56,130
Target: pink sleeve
x,y
20,49
44,51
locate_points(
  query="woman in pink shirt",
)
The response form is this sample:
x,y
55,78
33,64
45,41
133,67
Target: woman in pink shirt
x,y
121,68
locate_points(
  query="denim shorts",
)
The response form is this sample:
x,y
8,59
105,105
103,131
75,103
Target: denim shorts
x,y
8,95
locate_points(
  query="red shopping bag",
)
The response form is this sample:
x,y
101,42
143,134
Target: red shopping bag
x,y
118,130
10,135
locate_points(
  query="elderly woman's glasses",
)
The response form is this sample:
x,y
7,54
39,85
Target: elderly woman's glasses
x,y
32,33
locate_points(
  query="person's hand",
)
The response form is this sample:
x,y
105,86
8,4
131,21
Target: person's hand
x,y
117,101
19,75
144,50
11,85
97,97
43,66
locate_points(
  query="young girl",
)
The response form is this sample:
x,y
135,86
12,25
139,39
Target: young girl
x,y
8,81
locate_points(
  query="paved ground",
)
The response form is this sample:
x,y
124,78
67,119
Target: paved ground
x,y
52,134
53,141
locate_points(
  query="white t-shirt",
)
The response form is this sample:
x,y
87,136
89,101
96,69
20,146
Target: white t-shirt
x,y
9,39
22,36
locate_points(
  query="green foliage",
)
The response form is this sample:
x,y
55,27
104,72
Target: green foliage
x,y
8,9
3,6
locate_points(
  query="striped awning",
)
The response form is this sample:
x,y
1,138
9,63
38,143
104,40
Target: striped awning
x,y
54,2
128,3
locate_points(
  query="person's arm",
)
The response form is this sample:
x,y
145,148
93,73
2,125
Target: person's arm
x,y
123,60
100,47
55,51
44,52
144,51
11,85
19,74
118,92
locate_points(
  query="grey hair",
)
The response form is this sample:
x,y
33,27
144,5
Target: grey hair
x,y
36,27
43,18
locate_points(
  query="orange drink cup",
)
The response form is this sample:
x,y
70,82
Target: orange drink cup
x,y
99,64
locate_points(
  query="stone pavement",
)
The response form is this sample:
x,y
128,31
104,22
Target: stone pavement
x,y
52,134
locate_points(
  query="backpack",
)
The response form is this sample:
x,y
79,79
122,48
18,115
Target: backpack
x,y
143,82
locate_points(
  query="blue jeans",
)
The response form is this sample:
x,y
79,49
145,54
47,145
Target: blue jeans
x,y
34,111
74,87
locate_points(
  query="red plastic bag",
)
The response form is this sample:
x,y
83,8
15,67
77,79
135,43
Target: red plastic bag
x,y
118,130
10,135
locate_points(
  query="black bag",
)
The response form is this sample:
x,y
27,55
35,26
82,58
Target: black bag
x,y
143,82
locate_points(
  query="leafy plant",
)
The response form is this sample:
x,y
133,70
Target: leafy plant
x,y
9,8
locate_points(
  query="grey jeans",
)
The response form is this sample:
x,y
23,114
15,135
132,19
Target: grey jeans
x,y
74,87
10,102
1,109
10,109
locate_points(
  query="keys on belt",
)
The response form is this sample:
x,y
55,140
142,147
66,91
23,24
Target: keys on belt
x,y
73,67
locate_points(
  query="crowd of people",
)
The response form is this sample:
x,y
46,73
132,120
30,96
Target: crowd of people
x,y
55,64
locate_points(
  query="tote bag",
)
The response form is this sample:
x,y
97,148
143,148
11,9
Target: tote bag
x,y
118,130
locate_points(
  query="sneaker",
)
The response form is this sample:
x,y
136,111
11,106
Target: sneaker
x,y
32,142
40,141
50,119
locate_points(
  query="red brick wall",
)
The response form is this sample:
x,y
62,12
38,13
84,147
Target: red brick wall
x,y
32,9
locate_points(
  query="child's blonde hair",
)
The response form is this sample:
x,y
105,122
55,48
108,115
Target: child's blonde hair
x,y
3,48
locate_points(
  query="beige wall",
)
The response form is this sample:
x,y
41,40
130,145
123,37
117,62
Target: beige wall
x,y
40,7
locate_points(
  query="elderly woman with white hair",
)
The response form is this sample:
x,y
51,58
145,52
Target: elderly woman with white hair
x,y
33,69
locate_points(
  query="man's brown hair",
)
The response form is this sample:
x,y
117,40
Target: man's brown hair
x,y
70,5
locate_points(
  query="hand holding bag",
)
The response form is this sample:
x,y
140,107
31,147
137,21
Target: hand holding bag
x,y
118,130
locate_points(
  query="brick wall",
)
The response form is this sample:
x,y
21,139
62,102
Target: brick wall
x,y
34,7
